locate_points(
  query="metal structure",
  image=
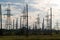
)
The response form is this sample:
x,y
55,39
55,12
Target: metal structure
x,y
35,25
8,20
20,22
25,18
38,21
0,17
16,23
47,21
56,26
13,23
51,18
43,25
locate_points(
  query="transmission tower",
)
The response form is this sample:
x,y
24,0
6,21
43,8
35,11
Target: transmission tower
x,y
25,18
8,20
20,22
57,25
35,25
47,20
43,25
38,21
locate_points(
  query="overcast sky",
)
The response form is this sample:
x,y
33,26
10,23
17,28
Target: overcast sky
x,y
35,7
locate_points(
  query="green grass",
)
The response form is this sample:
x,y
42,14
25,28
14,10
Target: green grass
x,y
32,37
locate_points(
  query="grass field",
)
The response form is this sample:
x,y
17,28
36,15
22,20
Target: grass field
x,y
32,37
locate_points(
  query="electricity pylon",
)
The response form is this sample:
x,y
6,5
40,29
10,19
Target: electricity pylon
x,y
56,26
25,18
38,21
8,20
47,21
43,26
20,22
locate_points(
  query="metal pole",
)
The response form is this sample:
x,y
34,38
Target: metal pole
x,y
51,20
1,16
13,23
43,26
27,18
20,22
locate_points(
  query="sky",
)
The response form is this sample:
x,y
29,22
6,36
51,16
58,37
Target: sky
x,y
35,7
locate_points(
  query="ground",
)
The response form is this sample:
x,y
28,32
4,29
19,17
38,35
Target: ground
x,y
31,37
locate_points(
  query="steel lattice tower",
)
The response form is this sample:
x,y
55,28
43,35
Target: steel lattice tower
x,y
25,18
20,22
8,20
38,21
47,20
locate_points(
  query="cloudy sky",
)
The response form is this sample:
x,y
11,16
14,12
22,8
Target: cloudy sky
x,y
35,7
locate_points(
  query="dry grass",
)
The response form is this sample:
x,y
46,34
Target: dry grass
x,y
32,37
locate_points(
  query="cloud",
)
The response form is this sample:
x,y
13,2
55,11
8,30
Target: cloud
x,y
20,1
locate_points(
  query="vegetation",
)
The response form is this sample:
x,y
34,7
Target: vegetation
x,y
31,37
33,34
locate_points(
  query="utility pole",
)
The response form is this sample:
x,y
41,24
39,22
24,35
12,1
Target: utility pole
x,y
24,16
0,17
16,23
27,17
13,23
43,26
51,20
47,20
35,25
57,25
20,22
0,21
